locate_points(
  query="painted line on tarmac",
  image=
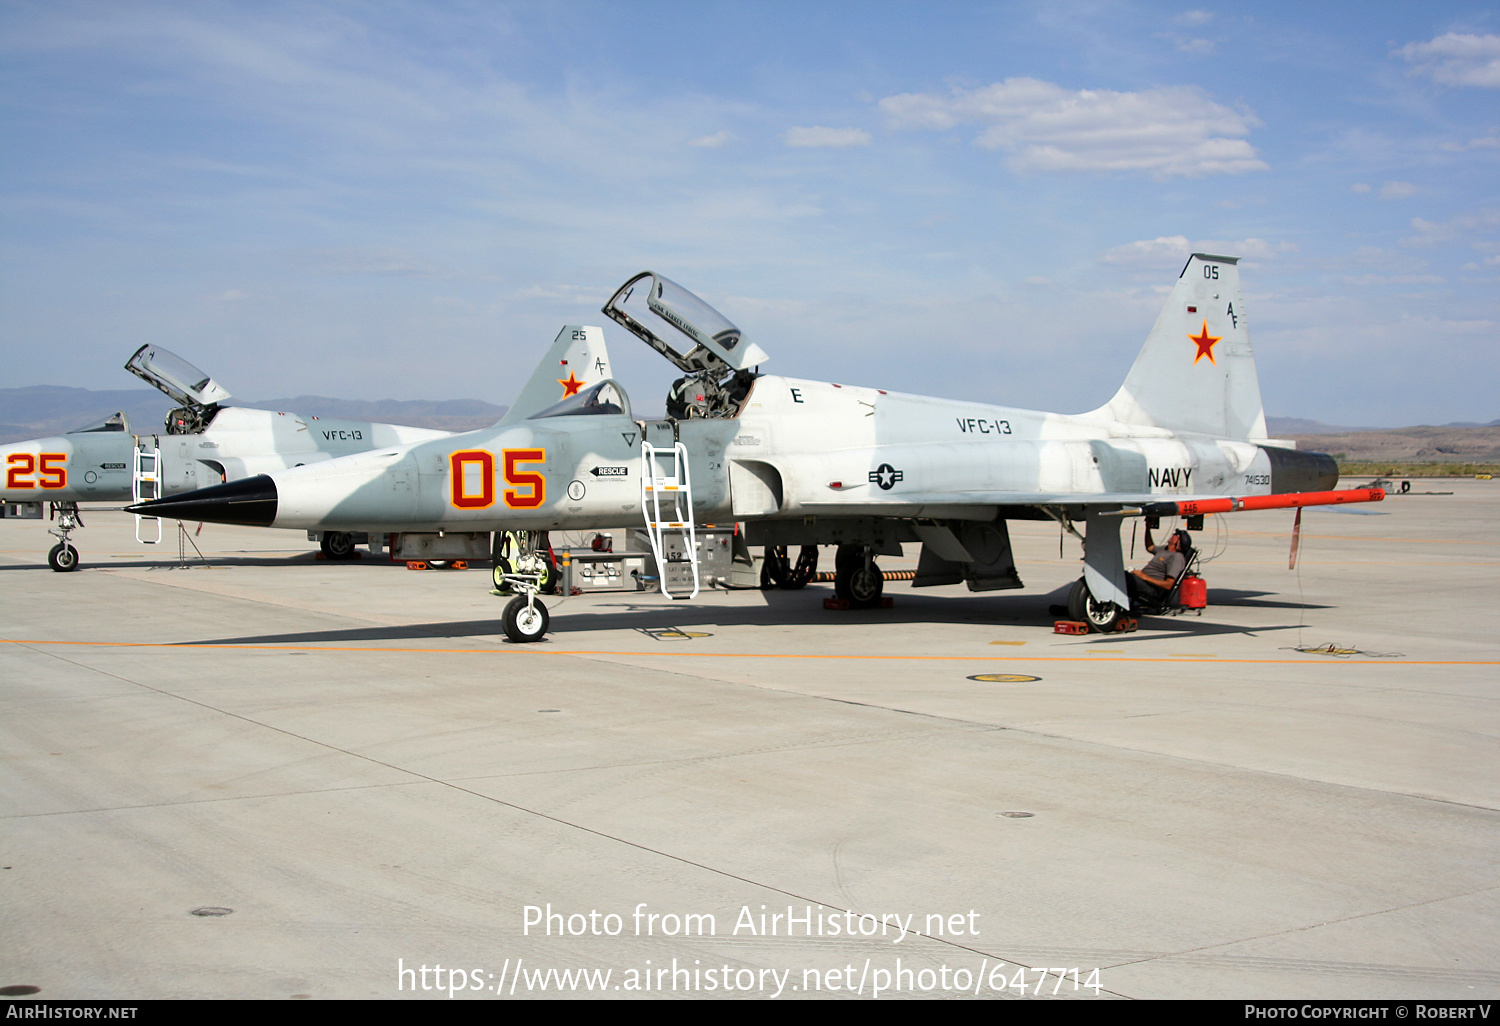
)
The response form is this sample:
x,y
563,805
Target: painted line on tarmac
x,y
679,654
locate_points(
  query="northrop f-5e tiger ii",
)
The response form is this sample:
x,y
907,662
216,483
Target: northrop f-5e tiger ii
x,y
809,463
203,441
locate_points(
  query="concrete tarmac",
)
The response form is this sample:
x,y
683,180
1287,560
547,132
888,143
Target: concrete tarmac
x,y
355,776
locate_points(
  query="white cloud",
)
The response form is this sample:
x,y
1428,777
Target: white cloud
x,y
1397,190
1153,254
711,142
1392,279
1163,132
1195,17
1483,142
1189,44
1149,252
1430,233
1359,188
1455,59
1245,249
827,137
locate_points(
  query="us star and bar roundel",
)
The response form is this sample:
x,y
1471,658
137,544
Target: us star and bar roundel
x,y
472,478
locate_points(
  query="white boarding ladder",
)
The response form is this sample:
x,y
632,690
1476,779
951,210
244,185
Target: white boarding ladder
x,y
145,484
676,488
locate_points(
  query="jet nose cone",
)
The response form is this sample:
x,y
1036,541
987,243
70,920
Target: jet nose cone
x,y
251,502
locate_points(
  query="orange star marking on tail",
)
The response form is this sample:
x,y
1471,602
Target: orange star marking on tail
x,y
1205,343
572,385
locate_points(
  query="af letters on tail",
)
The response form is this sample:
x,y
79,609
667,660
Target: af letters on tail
x,y
810,463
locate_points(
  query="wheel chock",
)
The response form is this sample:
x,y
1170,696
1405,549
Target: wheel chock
x,y
416,564
1125,625
460,564
1070,627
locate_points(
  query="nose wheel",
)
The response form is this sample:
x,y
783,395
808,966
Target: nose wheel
x,y
525,619
63,558
523,569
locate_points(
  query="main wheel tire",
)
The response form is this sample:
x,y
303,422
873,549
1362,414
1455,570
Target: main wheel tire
x,y
525,622
1100,616
866,584
337,545
845,559
857,580
63,558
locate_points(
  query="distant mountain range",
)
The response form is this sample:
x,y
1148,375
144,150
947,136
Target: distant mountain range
x,y
40,410
1292,427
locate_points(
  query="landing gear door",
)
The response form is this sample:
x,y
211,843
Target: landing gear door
x,y
665,315
176,377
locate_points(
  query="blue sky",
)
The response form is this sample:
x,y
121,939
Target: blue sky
x,y
985,201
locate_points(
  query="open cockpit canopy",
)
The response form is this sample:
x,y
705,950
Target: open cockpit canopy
x,y
173,375
660,312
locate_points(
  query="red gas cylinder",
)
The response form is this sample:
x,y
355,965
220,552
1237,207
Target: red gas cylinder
x,y
1194,592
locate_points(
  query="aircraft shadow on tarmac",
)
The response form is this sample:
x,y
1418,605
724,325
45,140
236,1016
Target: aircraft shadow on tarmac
x,y
781,609
214,562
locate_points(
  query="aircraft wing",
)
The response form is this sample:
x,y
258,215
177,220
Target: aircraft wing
x,y
1128,503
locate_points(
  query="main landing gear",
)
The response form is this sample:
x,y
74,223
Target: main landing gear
x,y
1101,616
64,557
337,545
856,578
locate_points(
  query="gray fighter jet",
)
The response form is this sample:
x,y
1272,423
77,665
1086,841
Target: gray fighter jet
x,y
203,442
810,463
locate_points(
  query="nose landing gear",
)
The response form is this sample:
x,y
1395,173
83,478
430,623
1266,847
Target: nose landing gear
x,y
64,557
523,568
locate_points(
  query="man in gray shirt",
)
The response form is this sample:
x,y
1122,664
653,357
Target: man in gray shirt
x,y
1166,565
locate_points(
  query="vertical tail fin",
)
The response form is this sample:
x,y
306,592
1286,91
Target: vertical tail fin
x,y
1196,372
576,360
